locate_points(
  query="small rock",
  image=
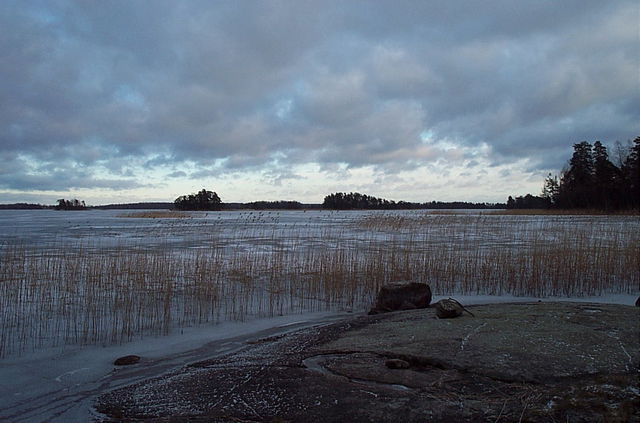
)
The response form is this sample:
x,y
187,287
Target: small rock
x,y
396,363
127,360
449,308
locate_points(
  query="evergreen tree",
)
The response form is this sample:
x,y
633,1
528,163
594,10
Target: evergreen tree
x,y
576,184
631,176
607,179
591,180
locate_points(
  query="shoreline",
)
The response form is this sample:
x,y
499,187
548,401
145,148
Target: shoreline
x,y
543,349
37,383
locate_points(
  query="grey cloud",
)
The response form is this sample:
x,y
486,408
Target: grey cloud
x,y
60,181
88,84
177,174
204,173
277,177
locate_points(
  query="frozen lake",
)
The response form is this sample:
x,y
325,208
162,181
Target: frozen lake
x,y
78,289
102,230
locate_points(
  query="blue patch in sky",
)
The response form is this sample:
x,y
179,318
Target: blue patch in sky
x,y
128,95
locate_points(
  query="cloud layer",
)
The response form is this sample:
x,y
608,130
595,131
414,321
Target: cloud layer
x,y
127,95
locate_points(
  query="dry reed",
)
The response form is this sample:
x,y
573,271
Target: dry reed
x,y
257,266
158,214
564,212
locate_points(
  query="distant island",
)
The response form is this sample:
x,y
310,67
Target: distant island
x,y
205,200
24,206
274,205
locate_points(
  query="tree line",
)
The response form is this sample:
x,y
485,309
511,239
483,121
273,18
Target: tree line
x,y
24,206
273,205
591,181
209,200
357,201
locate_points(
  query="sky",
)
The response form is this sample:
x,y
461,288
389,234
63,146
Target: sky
x,y
127,101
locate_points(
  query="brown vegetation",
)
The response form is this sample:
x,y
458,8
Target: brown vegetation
x,y
89,295
158,214
564,212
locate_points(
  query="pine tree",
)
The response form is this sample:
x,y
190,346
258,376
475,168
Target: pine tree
x,y
576,184
607,179
631,176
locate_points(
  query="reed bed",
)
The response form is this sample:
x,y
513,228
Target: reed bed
x,y
92,293
565,212
158,214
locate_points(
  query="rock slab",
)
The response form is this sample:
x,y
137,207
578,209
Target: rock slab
x,y
540,362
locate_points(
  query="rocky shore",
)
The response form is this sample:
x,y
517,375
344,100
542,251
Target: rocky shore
x,y
536,362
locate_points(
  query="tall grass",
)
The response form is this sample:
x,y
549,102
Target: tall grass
x,y
566,212
88,294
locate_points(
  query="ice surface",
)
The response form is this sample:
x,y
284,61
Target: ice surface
x,y
59,384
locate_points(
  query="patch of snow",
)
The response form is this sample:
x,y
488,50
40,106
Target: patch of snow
x,y
71,372
466,338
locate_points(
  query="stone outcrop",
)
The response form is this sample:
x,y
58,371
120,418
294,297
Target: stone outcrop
x,y
531,362
402,296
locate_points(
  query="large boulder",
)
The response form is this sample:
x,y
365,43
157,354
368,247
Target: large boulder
x,y
402,296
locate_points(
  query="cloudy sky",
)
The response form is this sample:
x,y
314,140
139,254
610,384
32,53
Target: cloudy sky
x,y
119,101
